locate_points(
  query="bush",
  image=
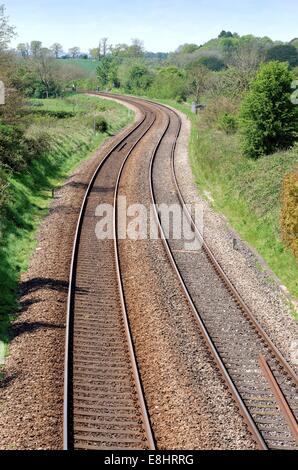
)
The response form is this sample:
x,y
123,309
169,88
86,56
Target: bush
x,y
180,99
228,123
100,124
269,119
11,147
289,212
216,108
52,114
212,63
284,53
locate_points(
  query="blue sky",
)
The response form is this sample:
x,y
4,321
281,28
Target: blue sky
x,y
161,24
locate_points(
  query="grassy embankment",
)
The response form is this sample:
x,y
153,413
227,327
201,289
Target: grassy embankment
x,y
71,140
246,191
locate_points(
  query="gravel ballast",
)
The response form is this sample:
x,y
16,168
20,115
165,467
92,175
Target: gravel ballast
x,y
189,405
258,287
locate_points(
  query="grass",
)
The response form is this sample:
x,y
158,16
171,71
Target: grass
x,y
87,65
30,192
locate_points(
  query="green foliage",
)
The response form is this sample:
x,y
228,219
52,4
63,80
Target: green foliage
x,y
139,78
180,99
11,146
29,83
284,53
225,34
107,72
269,119
217,107
212,63
169,82
228,123
187,48
100,124
289,212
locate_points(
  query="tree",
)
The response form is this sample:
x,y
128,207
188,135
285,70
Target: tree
x,y
136,49
57,49
107,72
7,32
44,66
95,52
198,76
35,47
284,53
23,49
74,52
269,119
104,46
212,63
139,78
169,83
187,48
225,34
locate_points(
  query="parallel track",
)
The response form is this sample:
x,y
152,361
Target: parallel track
x,y
238,361
104,405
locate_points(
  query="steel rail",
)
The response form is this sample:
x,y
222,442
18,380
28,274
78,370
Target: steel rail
x,y
223,276
279,396
210,344
71,294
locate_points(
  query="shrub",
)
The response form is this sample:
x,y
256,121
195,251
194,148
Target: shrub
x,y
100,124
180,99
168,83
212,63
216,108
284,53
228,123
11,147
289,212
53,114
269,119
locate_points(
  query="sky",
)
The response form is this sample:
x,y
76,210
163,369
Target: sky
x,y
162,24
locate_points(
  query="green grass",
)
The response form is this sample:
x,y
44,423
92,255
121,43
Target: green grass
x,y
87,65
72,140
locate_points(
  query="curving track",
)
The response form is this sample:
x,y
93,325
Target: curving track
x,y
104,402
104,406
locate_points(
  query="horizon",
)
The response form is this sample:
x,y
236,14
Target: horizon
x,y
47,21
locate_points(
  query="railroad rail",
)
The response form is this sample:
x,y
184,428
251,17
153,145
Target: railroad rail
x,y
234,337
237,360
104,404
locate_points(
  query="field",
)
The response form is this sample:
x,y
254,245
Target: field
x,y
87,65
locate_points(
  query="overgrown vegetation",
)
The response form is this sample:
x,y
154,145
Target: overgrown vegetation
x,y
289,213
269,118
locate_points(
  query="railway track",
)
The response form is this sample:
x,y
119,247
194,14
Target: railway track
x,y
233,336
104,403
